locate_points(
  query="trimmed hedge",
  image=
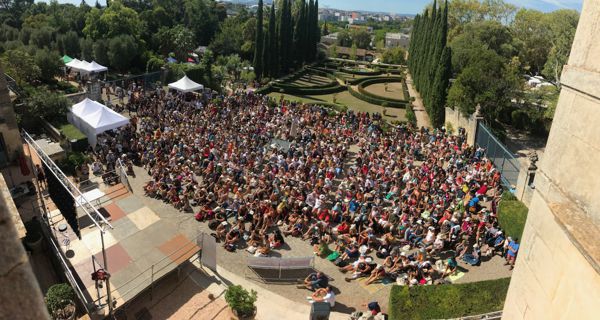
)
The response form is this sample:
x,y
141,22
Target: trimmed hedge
x,y
447,301
360,73
376,101
410,114
308,90
363,84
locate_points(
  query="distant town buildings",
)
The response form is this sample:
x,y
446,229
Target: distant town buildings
x,y
397,40
357,17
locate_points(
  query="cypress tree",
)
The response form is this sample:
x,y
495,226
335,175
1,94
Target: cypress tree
x,y
282,36
440,88
316,31
299,35
259,42
270,46
309,38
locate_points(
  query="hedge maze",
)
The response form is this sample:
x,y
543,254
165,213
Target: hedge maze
x,y
334,76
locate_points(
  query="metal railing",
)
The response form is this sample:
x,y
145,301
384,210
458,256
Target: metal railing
x,y
504,160
122,173
12,84
97,218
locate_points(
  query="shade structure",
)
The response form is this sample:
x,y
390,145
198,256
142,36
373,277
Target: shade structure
x,y
185,84
66,59
93,118
86,67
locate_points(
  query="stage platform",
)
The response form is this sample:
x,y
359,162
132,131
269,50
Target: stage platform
x,y
140,248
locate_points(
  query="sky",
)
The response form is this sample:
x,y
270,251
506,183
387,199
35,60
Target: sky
x,y
413,6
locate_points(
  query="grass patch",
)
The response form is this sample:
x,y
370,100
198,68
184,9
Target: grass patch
x,y
71,132
512,215
447,301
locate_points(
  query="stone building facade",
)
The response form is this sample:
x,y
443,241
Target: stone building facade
x,y
10,138
557,274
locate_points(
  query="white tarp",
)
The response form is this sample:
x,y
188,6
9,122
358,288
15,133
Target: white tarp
x,y
185,84
93,118
96,67
87,67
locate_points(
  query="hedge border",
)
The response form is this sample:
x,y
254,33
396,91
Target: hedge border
x,y
375,101
362,85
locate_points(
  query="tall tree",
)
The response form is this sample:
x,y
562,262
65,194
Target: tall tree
x,y
299,36
259,41
270,53
440,88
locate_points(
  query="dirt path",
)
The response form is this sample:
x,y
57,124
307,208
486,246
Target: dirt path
x,y
419,108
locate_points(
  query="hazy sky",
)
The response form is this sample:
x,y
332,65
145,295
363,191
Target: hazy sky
x,y
412,6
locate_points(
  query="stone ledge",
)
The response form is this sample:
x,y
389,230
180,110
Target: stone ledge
x,y
579,228
582,81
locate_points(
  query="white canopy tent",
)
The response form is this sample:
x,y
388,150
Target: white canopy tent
x,y
86,67
185,84
93,118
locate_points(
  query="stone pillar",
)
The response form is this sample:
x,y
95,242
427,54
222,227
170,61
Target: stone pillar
x,y
557,274
526,178
8,124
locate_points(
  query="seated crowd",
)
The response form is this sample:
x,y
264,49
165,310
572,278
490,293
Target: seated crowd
x,y
356,188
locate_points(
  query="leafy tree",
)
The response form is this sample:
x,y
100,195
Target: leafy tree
x,y
201,16
230,38
113,21
45,104
533,36
21,66
87,48
100,48
394,55
42,38
440,86
49,63
121,51
270,52
259,41
178,39
353,52
361,38
563,24
68,43
344,39
462,12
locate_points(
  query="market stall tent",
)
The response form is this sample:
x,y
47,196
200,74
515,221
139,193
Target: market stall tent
x,y
93,118
185,84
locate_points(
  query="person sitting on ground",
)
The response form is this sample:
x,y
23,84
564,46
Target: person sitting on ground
x,y
451,266
315,281
232,237
377,274
222,230
511,254
473,257
363,269
276,240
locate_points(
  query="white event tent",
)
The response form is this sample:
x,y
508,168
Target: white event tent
x,y
93,118
86,67
185,84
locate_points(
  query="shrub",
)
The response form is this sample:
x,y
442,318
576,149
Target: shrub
x,y
240,300
447,301
411,117
57,298
376,101
520,119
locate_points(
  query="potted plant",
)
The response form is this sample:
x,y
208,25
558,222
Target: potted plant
x,y
241,301
33,237
60,302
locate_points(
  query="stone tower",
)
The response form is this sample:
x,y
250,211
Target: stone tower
x,y
10,138
557,274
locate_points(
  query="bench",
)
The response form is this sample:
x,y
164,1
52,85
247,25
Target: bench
x,y
281,264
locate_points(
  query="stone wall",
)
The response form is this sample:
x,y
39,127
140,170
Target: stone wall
x,y
8,122
557,275
20,294
457,120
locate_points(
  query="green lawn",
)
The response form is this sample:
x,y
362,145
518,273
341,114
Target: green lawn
x,y
71,132
512,215
447,301
345,98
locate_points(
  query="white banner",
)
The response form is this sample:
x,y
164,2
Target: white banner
x,y
209,252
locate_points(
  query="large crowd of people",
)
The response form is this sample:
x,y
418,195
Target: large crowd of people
x,y
379,201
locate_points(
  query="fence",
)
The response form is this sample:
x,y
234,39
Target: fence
x,y
504,160
12,84
122,172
